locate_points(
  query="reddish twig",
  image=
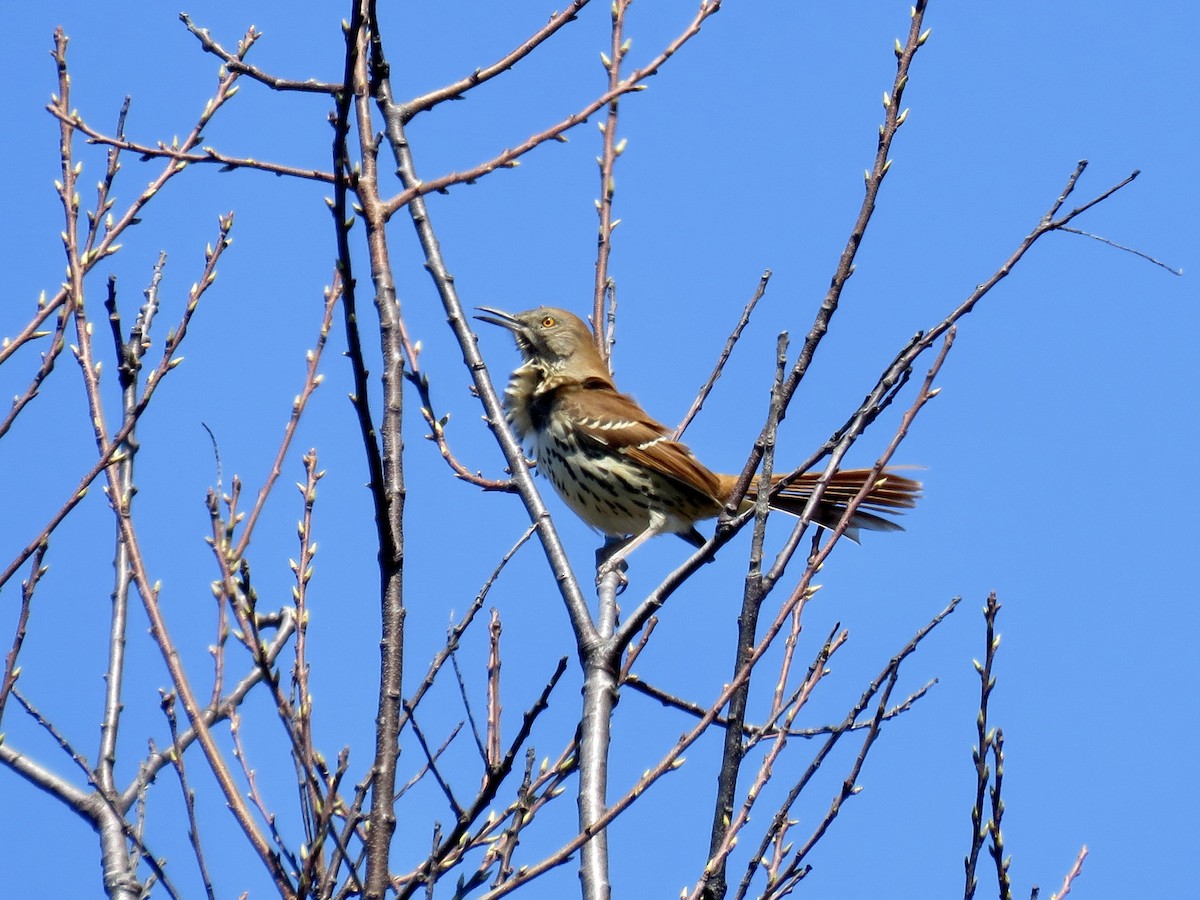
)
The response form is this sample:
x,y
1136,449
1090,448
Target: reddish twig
x,y
437,425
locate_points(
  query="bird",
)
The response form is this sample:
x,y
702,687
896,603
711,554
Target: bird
x,y
621,471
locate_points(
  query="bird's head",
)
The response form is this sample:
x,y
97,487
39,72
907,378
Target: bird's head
x,y
554,339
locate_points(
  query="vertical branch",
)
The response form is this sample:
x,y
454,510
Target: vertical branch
x,y
493,695
120,880
600,663
753,595
314,806
343,215
388,495
435,264
984,744
115,833
607,161
118,867
784,715
996,849
595,735
129,353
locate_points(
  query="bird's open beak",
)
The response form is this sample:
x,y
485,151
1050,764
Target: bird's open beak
x,y
501,318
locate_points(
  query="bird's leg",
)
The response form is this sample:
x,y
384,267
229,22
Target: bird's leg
x,y
616,554
610,546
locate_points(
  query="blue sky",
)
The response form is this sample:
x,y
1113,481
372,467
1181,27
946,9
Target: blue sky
x,y
1056,458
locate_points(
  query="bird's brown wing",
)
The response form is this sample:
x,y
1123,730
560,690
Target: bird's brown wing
x,y
616,422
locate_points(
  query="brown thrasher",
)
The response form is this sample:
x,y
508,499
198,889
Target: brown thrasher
x,y
618,468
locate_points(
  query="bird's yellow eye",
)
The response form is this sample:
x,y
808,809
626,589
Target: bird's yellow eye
x,y
549,321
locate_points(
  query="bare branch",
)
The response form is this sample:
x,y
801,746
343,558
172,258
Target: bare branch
x,y
726,352
444,281
511,157
696,710
455,633
312,380
28,586
459,88
607,161
110,448
780,820
457,840
983,746
437,425
492,758
431,764
236,62
996,850
211,715
1070,877
1114,244
189,796
205,156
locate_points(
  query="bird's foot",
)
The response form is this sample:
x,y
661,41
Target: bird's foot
x,y
610,562
613,569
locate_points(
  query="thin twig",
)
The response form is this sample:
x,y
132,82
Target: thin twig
x,y
204,156
211,715
466,700
111,447
510,157
1070,877
59,738
431,762
754,593
236,63
893,120
454,633
189,796
413,199
457,841
795,868
1114,244
437,424
724,839
983,746
696,710
492,758
28,586
607,161
996,850
726,352
457,89
49,358
312,380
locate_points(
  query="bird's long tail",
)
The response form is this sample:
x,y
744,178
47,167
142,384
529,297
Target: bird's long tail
x,y
892,493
